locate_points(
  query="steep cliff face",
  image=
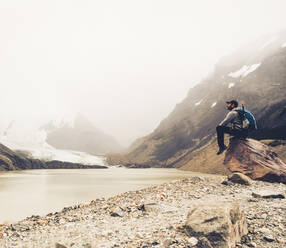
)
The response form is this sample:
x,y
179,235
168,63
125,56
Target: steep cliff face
x,y
255,75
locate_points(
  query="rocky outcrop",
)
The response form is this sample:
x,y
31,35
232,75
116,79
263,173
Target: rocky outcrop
x,y
221,222
254,159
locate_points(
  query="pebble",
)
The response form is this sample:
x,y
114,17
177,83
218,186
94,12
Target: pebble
x,y
192,241
269,238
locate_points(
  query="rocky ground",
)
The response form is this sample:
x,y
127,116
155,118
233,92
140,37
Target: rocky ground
x,y
153,217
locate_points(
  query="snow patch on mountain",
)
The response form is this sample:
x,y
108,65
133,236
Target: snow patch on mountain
x,y
252,68
230,85
198,103
267,43
239,73
244,70
213,104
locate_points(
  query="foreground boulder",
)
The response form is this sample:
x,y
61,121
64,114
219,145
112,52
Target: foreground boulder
x,y
222,223
254,159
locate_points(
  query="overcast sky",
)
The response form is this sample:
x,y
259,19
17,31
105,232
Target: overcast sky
x,y
123,63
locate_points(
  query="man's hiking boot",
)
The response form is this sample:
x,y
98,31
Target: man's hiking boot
x,y
221,150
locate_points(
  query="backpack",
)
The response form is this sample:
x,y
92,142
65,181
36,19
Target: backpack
x,y
247,119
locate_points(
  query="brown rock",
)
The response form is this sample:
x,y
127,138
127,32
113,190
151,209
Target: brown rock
x,y
221,222
43,222
254,159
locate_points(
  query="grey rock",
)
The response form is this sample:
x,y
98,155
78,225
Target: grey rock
x,y
149,207
192,241
267,194
204,243
221,222
269,238
240,179
117,212
251,244
58,245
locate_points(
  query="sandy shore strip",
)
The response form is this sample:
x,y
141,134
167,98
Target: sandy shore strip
x,y
151,217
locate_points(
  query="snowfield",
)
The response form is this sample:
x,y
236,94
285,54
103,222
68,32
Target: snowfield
x,y
244,70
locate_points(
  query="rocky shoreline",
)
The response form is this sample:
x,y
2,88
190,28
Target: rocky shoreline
x,y
154,217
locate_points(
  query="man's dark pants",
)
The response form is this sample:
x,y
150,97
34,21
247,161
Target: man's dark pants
x,y
221,130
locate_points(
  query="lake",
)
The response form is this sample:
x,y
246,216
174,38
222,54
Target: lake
x,y
39,192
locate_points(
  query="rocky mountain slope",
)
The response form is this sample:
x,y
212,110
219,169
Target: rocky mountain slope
x,y
255,75
80,135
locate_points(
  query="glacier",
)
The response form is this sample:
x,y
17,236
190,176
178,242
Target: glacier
x,y
33,142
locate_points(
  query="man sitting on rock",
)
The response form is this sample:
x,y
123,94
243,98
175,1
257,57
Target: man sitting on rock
x,y
232,124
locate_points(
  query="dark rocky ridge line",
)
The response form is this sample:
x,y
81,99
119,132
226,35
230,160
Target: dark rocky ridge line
x,y
11,160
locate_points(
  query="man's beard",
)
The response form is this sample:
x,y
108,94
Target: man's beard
x,y
229,108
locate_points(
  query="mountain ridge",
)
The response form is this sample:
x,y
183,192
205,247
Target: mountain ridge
x,y
257,80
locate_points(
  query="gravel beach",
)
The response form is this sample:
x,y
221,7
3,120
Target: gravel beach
x,y
153,217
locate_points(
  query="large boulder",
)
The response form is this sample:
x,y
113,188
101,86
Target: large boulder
x,y
254,159
221,222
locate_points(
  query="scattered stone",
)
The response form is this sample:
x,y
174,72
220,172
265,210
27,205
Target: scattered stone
x,y
269,238
221,222
20,228
267,194
169,242
251,244
149,207
43,222
155,243
264,216
204,243
192,241
265,231
240,179
58,245
251,229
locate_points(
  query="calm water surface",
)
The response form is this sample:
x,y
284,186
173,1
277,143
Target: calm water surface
x,y
38,192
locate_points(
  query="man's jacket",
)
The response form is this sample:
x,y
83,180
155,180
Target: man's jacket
x,y
233,120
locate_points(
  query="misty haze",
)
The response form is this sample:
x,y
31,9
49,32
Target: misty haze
x,y
142,123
